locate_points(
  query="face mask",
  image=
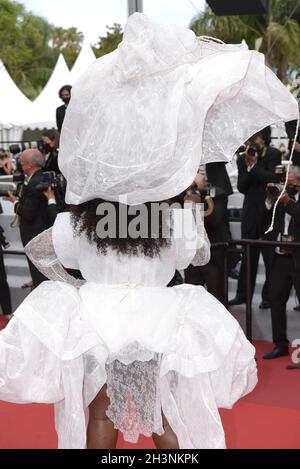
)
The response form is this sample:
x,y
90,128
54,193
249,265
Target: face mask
x,y
47,147
66,100
292,190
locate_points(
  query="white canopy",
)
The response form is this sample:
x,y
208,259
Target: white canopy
x,y
43,111
15,108
85,58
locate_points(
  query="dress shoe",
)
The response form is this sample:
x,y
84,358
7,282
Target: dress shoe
x,y
265,305
297,308
238,300
278,351
28,284
233,273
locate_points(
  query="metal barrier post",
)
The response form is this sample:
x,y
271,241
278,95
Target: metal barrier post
x,y
248,294
225,266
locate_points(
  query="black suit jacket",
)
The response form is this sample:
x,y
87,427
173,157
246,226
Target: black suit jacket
x,y
215,223
293,209
33,210
217,175
290,128
253,185
60,115
52,162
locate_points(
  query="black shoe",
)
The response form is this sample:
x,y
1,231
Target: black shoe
x,y
278,351
265,305
297,308
233,273
238,300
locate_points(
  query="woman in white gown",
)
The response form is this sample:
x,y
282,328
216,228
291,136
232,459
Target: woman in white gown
x,y
145,359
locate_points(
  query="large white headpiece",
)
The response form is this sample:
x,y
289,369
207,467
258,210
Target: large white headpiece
x,y
143,118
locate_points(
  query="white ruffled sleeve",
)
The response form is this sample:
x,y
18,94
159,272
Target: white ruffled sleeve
x,y
64,241
190,239
54,250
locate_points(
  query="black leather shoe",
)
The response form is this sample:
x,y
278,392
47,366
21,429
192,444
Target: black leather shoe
x,y
278,351
233,273
238,300
297,308
265,305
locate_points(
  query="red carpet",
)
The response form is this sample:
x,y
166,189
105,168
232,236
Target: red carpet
x,y
268,418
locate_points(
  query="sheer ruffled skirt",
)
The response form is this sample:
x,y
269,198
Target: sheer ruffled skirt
x,y
175,350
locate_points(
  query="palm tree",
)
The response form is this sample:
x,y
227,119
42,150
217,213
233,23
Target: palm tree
x,y
68,41
276,34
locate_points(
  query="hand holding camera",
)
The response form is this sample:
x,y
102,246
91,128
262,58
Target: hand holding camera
x,y
284,198
49,193
251,155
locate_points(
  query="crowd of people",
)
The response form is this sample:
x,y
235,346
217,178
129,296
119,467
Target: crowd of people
x,y
124,347
260,169
39,198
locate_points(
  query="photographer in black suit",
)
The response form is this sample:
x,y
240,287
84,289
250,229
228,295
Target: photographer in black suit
x,y
65,95
5,299
211,274
32,207
285,267
255,169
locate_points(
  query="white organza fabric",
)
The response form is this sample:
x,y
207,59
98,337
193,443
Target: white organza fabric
x,y
143,118
176,350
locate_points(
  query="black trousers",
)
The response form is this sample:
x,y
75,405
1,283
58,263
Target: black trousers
x,y
211,275
267,254
282,278
5,300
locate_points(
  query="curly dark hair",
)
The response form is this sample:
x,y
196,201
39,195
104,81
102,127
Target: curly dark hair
x,y
84,219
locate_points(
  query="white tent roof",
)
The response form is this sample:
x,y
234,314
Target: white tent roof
x,y
85,58
44,107
15,108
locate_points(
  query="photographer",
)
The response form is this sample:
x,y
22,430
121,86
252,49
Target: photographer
x,y
7,166
255,170
5,299
33,207
215,207
65,95
285,267
50,140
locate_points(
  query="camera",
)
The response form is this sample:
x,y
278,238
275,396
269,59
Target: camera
x,y
58,183
252,150
11,184
16,148
280,171
51,179
273,190
249,150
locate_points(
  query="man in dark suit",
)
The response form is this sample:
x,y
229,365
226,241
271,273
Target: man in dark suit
x,y
65,95
290,128
285,267
32,207
255,170
217,176
212,274
5,298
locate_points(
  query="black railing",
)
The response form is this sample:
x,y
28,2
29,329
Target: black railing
x,y
230,246
13,253
245,249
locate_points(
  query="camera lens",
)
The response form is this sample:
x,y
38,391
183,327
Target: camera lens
x,y
251,151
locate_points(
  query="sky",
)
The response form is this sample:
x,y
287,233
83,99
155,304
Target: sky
x,y
92,16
